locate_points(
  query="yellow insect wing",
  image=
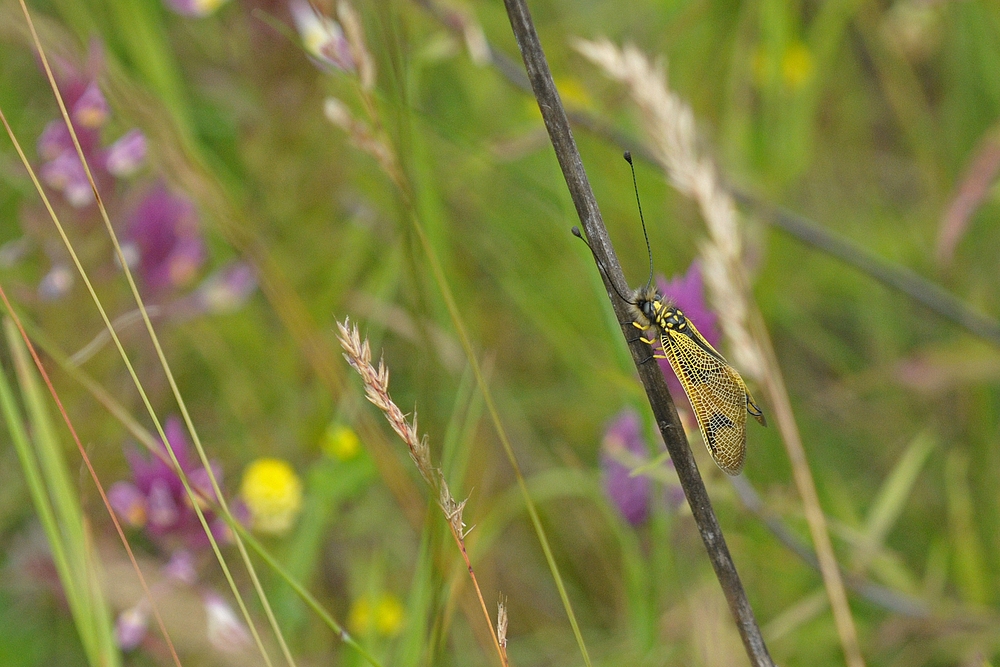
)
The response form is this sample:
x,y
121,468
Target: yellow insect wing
x,y
751,404
717,394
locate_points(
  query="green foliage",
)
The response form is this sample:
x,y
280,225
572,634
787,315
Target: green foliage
x,y
863,117
55,500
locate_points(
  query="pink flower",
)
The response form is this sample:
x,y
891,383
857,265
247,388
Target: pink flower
x,y
181,567
155,498
163,241
91,109
131,627
227,289
194,8
53,140
66,174
129,503
322,37
61,167
622,450
126,155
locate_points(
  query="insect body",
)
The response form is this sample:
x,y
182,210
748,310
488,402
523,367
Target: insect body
x,y
717,393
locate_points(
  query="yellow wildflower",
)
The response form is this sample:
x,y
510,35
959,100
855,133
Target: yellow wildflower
x,y
389,615
384,615
573,93
796,65
273,494
340,442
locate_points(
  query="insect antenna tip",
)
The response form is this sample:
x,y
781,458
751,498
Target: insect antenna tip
x,y
628,156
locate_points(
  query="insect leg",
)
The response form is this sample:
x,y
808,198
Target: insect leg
x,y
630,340
640,328
655,355
652,356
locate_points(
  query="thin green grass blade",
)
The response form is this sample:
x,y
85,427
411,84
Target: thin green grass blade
x,y
465,413
968,560
413,646
328,485
300,590
144,436
639,590
56,500
891,498
18,430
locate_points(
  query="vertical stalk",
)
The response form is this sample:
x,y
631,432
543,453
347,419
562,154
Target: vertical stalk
x,y
652,379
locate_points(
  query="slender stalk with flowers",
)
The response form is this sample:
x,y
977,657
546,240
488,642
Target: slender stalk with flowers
x,y
161,357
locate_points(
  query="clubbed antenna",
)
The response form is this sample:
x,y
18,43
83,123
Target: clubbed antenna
x,y
635,186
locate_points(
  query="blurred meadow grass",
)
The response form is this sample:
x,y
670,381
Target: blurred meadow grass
x,y
865,117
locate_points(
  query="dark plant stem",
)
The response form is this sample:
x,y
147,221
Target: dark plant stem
x,y
652,378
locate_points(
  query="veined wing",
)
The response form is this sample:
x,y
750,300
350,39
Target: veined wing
x,y
717,394
751,405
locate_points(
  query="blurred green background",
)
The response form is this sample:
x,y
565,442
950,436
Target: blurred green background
x,y
872,119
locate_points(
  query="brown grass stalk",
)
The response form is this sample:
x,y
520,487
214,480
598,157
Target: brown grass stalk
x,y
357,351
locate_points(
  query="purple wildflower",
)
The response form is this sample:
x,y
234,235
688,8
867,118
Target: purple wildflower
x,y
322,37
194,8
62,168
53,140
88,111
155,499
91,109
131,626
227,289
687,292
622,450
163,240
126,155
129,503
181,567
66,174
